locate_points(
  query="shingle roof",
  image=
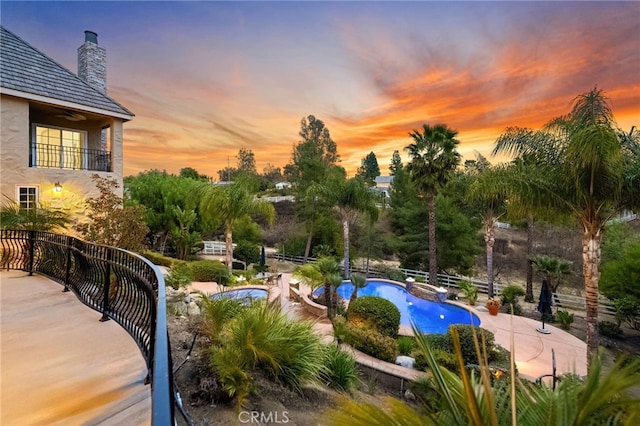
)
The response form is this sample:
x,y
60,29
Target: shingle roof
x,y
25,69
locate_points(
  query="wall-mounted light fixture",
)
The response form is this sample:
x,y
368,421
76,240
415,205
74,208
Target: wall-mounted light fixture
x,y
57,187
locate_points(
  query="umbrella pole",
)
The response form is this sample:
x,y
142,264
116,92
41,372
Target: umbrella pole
x,y
542,329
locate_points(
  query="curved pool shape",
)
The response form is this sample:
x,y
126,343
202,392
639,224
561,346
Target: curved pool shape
x,y
246,295
429,317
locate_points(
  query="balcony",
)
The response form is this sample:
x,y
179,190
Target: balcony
x,y
61,362
69,158
61,365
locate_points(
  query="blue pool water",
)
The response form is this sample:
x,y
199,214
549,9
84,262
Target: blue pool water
x,y
429,317
245,295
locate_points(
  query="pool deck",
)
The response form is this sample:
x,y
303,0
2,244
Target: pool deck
x,y
532,349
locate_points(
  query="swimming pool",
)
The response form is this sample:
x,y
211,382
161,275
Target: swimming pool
x,y
246,295
429,317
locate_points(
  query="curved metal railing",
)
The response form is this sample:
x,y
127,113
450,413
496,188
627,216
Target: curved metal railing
x,y
122,285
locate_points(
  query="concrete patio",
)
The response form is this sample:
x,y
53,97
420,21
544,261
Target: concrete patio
x,y
60,365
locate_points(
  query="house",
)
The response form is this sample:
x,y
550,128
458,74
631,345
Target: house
x,y
283,185
383,185
57,128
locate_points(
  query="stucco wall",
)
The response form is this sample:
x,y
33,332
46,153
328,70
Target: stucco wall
x,y
77,185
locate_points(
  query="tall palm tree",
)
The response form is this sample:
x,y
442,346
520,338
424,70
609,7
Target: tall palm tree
x,y
433,161
233,202
589,174
349,198
488,194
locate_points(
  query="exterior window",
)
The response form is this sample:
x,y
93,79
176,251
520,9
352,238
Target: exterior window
x,y
59,148
28,197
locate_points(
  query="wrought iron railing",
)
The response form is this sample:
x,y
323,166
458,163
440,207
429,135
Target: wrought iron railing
x,y
122,285
66,157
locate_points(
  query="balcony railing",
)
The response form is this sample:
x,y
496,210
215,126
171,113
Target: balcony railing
x,y
65,157
121,285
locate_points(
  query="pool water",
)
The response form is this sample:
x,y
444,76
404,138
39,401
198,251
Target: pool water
x,y
429,317
246,295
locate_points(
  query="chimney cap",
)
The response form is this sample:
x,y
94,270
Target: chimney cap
x,y
91,36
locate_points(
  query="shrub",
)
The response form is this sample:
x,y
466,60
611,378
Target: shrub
x,y
262,336
510,294
609,329
179,275
209,270
158,259
376,312
443,358
247,252
340,370
470,291
373,343
565,319
406,344
628,311
340,328
467,343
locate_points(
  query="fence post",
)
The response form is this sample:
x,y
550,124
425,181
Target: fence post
x,y
31,244
67,271
107,286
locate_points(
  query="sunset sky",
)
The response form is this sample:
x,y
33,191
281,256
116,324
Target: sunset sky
x,y
205,78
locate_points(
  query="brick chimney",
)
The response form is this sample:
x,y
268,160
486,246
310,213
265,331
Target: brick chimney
x,y
92,62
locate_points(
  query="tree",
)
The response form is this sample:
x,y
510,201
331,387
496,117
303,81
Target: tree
x,y
314,162
349,198
160,193
359,281
488,194
246,161
313,156
433,160
621,277
111,223
396,163
191,173
232,202
456,228
369,169
588,172
40,218
553,269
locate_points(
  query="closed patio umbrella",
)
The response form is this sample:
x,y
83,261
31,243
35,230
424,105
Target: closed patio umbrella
x,y
263,259
544,305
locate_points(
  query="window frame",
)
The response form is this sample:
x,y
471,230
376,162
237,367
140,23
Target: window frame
x,y
84,157
30,205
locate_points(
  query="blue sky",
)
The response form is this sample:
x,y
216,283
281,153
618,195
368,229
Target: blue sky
x,y
208,78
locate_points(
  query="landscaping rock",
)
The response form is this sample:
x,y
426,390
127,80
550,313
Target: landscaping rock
x,y
405,361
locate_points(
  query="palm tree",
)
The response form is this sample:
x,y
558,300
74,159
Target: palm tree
x,y
233,202
40,218
325,272
433,161
588,173
488,194
350,198
553,268
359,281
